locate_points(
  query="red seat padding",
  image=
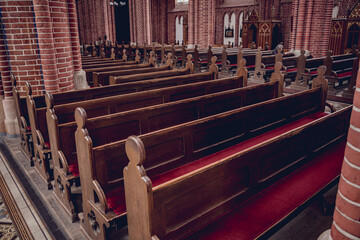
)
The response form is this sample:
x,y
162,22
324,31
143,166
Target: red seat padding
x,y
29,128
265,209
344,74
47,144
270,68
74,169
292,70
116,200
313,72
177,172
251,66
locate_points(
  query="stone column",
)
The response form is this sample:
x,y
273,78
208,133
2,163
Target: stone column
x,y
346,224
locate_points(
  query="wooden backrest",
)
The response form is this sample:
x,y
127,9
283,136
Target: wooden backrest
x,y
137,71
172,147
148,75
114,127
102,76
217,188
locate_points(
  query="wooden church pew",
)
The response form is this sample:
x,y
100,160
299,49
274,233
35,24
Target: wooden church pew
x,y
111,156
103,64
102,75
81,95
108,105
148,75
109,128
233,193
106,81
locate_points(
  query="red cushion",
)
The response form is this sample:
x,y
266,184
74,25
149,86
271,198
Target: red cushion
x,y
74,169
29,128
251,66
313,72
344,74
265,209
204,61
270,68
47,145
292,70
177,172
116,200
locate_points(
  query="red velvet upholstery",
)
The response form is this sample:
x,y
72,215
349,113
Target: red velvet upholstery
x,y
251,66
162,178
313,72
47,144
116,197
74,169
270,68
292,70
116,200
29,128
262,211
344,74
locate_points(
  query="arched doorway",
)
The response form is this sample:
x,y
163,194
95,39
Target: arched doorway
x,y
275,37
122,22
229,26
353,35
252,33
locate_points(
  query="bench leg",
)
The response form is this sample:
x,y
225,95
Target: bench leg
x,y
92,226
62,192
42,164
27,146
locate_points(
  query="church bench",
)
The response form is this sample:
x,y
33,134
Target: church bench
x,y
103,64
109,128
148,75
238,193
106,80
102,75
120,66
176,149
108,105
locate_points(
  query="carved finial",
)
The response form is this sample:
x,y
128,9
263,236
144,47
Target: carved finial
x,y
213,67
102,52
169,61
242,71
277,76
124,56
112,53
137,56
28,89
135,150
151,58
321,81
49,100
80,117
189,65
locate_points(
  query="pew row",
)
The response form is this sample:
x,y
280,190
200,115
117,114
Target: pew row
x,y
148,75
103,165
130,65
109,128
108,105
186,202
35,110
106,81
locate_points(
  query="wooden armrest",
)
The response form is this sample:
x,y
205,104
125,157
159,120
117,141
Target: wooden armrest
x,y
40,139
306,71
23,123
63,163
100,195
330,106
262,66
333,73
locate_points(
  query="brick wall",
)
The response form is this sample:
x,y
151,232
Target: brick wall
x,y
312,23
43,44
345,6
96,19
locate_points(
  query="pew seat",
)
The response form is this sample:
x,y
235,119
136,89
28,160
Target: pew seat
x,y
276,202
115,196
162,178
344,74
